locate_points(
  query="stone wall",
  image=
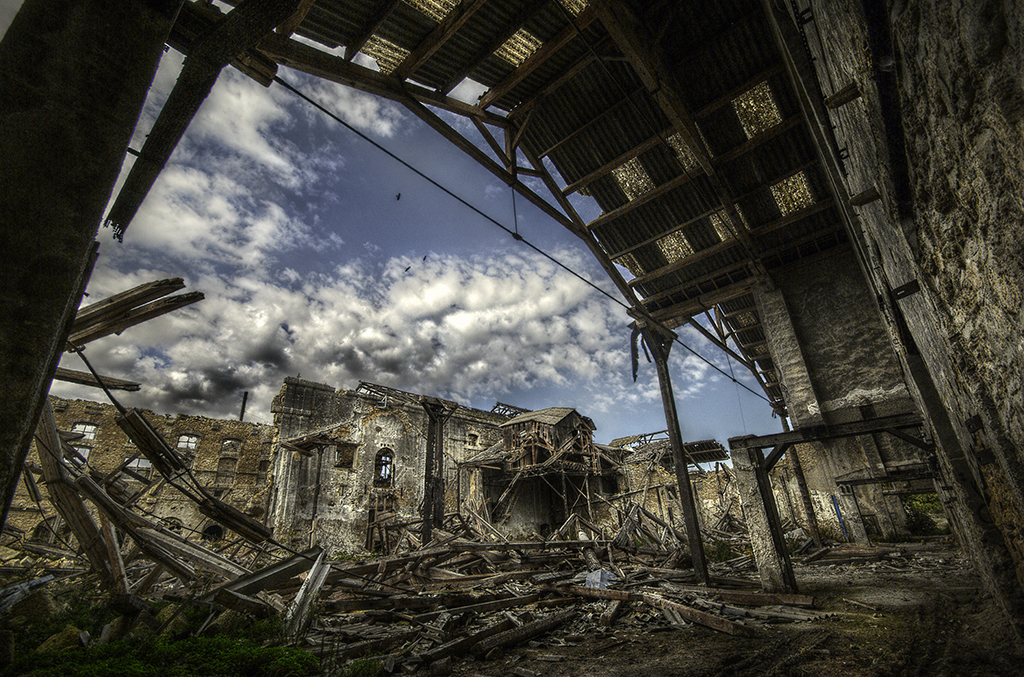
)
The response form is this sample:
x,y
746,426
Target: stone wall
x,y
230,458
937,132
317,499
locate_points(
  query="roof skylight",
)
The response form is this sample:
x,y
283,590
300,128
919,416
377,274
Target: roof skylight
x,y
519,47
756,109
387,54
574,6
674,247
633,179
435,9
792,194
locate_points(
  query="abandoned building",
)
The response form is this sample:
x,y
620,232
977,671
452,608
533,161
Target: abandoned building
x,y
346,460
829,191
230,457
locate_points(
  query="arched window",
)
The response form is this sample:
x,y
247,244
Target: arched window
x,y
384,468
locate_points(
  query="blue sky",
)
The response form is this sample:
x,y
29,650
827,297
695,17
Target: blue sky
x,y
290,225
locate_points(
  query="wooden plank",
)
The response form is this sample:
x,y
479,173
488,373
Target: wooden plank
x,y
482,607
133,317
461,645
113,555
124,301
523,633
300,613
612,612
85,378
65,498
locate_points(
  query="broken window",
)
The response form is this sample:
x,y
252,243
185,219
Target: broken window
x,y
383,468
230,446
188,442
264,468
344,455
609,484
88,430
226,470
140,465
83,452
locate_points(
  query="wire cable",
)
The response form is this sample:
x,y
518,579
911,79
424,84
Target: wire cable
x,y
514,233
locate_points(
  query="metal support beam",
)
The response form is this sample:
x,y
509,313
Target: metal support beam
x,y
438,413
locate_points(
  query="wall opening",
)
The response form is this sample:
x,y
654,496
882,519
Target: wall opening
x,y
383,468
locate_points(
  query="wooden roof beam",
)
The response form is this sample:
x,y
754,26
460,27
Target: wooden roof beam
x,y
662,81
289,25
440,35
703,254
606,169
381,11
680,313
642,200
240,29
87,379
517,21
316,62
538,58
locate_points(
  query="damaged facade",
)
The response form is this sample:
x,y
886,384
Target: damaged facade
x,y
347,459
229,457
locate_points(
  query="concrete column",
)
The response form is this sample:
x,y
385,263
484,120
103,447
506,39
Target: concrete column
x,y
763,523
784,346
73,77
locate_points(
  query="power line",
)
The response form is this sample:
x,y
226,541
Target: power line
x,y
514,233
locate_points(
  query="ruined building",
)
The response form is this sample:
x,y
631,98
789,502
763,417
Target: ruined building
x,y
347,459
828,190
229,457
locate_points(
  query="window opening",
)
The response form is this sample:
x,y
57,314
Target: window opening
x,y
383,468
230,446
188,442
88,430
226,470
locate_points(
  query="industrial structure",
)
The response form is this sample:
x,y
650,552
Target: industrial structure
x,y
832,186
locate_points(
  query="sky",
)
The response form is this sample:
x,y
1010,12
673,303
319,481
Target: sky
x,y
322,257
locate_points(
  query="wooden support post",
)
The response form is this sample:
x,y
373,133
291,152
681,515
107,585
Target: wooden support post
x,y
74,77
659,346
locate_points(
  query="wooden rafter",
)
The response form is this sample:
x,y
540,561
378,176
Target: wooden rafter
x,y
440,35
381,11
659,78
538,58
289,25
237,31
625,100
313,61
606,169
509,29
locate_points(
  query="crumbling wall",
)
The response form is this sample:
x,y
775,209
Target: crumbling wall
x,y
937,132
316,499
106,447
821,321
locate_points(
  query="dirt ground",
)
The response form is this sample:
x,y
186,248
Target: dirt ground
x,y
923,615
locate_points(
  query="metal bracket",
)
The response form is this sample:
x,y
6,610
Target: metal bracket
x,y
906,290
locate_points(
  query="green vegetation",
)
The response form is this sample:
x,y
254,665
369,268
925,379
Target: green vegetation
x,y
924,515
238,648
718,551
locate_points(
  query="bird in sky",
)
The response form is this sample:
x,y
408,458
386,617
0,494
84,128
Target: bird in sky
x,y
398,197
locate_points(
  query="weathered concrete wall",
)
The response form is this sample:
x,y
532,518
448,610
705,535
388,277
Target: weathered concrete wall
x,y
317,500
838,366
246,488
951,79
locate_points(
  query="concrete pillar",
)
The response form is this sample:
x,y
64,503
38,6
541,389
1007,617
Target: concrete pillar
x,y
763,523
73,77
